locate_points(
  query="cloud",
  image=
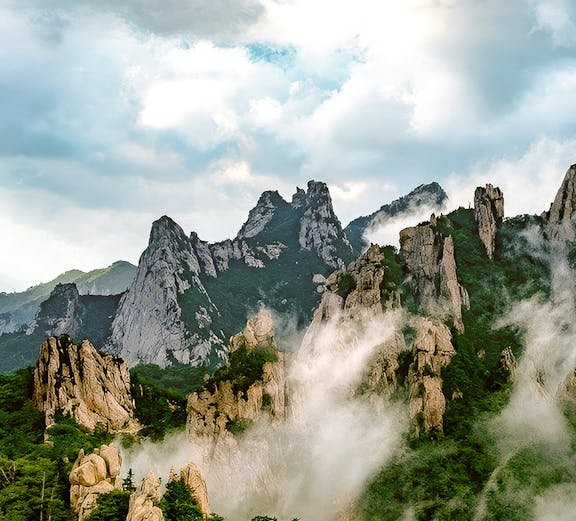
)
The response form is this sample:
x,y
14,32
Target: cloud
x,y
386,94
558,18
200,18
529,182
316,462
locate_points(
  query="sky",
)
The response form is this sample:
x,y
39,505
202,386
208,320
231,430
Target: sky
x,y
115,112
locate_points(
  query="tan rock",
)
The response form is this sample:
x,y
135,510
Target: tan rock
x,y
90,477
430,262
80,382
113,460
142,501
191,476
508,363
259,330
488,212
432,350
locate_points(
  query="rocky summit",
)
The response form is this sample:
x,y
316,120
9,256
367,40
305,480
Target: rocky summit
x,y
189,296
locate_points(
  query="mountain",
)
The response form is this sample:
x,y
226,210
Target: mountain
x,y
18,309
190,296
65,311
427,197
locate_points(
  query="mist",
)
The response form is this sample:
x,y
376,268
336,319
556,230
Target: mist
x,y
534,415
313,465
386,230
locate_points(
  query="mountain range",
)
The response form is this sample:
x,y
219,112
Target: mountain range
x,y
434,381
187,297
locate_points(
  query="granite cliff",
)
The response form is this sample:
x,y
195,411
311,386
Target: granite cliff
x,y
77,381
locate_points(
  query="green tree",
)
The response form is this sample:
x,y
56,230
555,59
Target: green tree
x,y
111,507
177,504
128,482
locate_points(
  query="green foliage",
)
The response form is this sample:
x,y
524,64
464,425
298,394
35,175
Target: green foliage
x,y
67,437
266,402
346,285
439,479
393,273
159,409
21,424
237,427
128,482
179,378
492,285
244,367
111,507
33,487
177,503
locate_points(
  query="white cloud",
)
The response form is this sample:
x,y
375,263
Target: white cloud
x,y
529,182
558,18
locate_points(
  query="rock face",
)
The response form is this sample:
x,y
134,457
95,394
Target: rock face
x,y
432,350
429,260
414,357
561,213
149,326
144,499
220,408
92,475
189,296
428,197
191,476
79,382
18,310
508,364
320,230
488,212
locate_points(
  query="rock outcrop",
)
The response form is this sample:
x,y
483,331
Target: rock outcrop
x,y
79,382
92,475
143,501
224,407
18,310
413,357
320,229
561,213
432,350
508,364
424,198
428,257
66,312
488,212
191,476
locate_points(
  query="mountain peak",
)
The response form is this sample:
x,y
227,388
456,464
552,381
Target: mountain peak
x,y
261,214
165,227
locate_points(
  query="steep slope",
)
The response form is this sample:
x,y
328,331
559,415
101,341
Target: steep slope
x,y
17,310
150,326
190,296
429,197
